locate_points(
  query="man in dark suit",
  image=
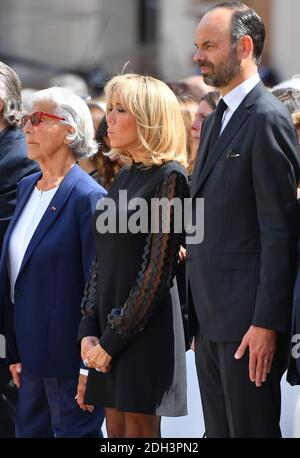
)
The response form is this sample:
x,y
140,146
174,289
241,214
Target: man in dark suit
x,y
14,165
241,275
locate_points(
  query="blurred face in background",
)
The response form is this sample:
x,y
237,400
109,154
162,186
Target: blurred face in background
x,y
97,115
298,133
202,112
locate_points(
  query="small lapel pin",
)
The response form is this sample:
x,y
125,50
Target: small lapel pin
x,y
53,209
232,154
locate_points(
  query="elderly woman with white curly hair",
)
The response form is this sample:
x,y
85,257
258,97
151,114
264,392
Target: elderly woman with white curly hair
x,y
47,253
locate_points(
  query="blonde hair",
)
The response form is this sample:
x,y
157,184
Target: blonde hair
x,y
160,127
296,119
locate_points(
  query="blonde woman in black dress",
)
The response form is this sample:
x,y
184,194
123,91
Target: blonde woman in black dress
x,y
131,333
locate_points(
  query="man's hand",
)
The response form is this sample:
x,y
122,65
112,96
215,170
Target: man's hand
x,y
16,370
182,254
193,345
262,346
81,392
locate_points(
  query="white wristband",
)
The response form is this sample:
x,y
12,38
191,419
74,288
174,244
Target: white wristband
x,y
84,372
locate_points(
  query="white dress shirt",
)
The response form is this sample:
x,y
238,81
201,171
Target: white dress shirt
x,y
23,231
235,97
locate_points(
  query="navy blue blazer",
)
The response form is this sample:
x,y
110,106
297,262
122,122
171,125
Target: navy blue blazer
x,y
42,331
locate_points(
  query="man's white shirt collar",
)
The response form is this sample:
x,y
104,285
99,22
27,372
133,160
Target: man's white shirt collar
x,y
235,97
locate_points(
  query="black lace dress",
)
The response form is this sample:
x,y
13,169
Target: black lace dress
x,y
131,304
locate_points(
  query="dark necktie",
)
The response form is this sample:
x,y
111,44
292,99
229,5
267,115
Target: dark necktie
x,y
221,107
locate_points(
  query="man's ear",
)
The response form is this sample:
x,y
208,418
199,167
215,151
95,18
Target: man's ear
x,y
245,47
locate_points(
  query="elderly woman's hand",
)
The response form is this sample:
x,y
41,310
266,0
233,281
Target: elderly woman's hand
x,y
86,344
81,392
98,358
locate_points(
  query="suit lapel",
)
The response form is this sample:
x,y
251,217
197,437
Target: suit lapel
x,y
233,126
230,130
23,198
201,156
52,212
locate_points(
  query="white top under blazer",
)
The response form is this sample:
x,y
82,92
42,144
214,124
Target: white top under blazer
x,y
23,232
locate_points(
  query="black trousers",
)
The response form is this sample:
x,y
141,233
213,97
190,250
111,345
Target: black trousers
x,y
8,401
232,405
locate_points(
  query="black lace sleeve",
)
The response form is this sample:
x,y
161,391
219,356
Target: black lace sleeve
x,y
88,325
157,271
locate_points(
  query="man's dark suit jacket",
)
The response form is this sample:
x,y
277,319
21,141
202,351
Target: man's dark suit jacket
x,y
14,165
243,271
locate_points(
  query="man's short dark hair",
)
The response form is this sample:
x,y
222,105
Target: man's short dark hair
x,y
10,94
245,21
